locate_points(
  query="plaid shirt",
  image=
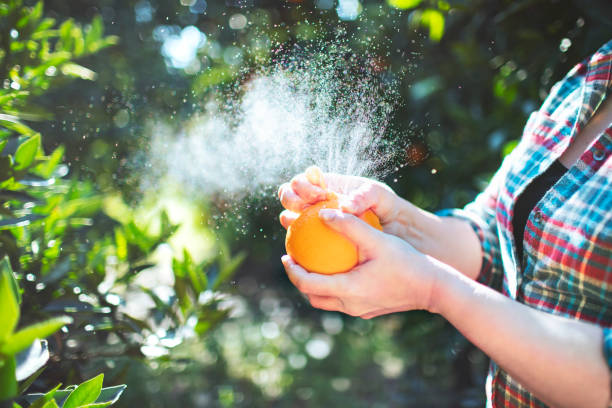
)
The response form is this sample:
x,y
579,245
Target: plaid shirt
x,y
568,237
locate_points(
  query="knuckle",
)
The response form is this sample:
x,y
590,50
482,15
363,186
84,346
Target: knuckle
x,y
297,181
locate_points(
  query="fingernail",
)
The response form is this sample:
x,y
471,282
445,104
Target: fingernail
x,y
327,214
285,259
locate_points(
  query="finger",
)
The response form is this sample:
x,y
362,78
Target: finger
x,y
358,231
369,196
287,217
330,303
307,191
290,200
314,283
315,176
377,313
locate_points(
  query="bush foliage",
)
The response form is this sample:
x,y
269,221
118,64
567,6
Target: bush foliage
x,y
98,277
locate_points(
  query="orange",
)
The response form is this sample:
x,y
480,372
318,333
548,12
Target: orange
x,y
318,248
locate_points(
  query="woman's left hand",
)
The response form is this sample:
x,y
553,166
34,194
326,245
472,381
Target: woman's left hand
x,y
391,275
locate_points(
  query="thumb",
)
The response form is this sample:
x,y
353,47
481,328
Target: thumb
x,y
358,231
370,196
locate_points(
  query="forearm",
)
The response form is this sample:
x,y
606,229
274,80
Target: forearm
x,y
448,239
558,359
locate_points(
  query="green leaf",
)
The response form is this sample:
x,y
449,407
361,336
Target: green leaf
x,y
5,268
86,393
23,387
51,404
228,269
121,244
26,152
9,307
435,21
6,171
8,382
186,268
24,337
46,168
111,395
43,399
209,318
93,33
19,222
10,97
64,32
404,4
78,71
7,195
12,122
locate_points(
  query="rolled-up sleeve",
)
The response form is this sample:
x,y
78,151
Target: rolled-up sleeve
x,y
608,350
481,215
481,218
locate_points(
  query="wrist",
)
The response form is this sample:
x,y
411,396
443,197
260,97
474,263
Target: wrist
x,y
444,277
414,222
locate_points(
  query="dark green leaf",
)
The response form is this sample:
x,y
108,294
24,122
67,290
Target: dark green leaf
x,y
39,400
23,387
209,318
6,195
6,171
19,222
111,394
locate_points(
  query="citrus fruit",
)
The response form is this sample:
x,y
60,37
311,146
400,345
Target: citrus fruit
x,y
318,248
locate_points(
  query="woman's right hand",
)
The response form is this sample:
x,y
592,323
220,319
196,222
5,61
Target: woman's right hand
x,y
357,194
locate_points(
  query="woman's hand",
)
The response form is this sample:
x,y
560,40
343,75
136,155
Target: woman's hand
x,y
391,275
357,194
450,240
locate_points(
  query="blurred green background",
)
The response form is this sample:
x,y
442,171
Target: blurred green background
x,y
185,304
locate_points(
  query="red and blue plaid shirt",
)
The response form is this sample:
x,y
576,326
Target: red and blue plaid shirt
x,y
567,267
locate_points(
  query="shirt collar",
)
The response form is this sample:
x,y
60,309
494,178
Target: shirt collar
x,y
597,83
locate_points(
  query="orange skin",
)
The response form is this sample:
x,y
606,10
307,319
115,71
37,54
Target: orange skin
x,y
318,248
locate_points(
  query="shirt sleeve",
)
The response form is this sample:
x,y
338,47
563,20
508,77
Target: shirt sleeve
x,y
480,214
608,350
